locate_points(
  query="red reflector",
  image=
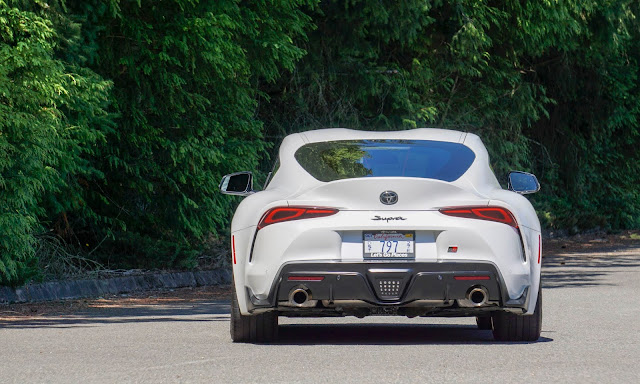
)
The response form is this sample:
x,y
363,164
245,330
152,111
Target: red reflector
x,y
471,277
233,248
305,278
282,214
497,214
539,247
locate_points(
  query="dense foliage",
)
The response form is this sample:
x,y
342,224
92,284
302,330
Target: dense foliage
x,y
52,119
118,117
184,75
551,87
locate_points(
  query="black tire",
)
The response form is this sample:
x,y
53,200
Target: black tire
x,y
240,324
512,327
484,322
262,328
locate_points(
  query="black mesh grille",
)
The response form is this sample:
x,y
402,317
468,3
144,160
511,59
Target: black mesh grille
x,y
389,288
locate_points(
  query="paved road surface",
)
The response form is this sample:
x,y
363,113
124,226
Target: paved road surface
x,y
591,333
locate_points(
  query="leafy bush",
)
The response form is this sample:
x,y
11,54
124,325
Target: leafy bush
x,y
118,117
185,75
48,115
550,87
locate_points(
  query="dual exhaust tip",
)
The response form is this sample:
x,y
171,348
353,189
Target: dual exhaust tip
x,y
301,297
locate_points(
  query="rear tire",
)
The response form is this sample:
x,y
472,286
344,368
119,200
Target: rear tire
x,y
512,327
484,322
262,328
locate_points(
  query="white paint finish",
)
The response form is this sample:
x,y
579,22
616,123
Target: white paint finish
x,y
339,237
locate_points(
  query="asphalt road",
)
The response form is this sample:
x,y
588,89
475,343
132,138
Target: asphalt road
x,y
591,333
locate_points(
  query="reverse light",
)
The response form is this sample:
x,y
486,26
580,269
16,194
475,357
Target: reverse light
x,y
498,214
282,214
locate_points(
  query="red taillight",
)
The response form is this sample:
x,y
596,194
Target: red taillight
x,y
498,214
281,214
539,247
233,246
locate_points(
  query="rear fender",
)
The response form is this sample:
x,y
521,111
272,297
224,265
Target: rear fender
x,y
531,234
240,246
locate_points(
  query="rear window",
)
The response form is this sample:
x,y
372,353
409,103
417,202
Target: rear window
x,y
335,160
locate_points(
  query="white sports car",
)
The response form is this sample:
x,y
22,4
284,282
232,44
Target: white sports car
x,y
409,223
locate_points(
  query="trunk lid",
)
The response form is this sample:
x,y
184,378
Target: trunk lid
x,y
365,194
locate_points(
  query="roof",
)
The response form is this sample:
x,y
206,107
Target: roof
x,y
331,134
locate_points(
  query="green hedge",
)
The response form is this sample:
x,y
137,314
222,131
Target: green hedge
x,y
118,117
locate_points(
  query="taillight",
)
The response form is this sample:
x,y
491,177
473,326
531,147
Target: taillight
x,y
282,214
498,214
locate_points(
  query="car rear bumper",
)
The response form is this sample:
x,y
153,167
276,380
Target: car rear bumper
x,y
443,285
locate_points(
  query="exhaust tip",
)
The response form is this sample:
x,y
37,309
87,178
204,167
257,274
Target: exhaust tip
x,y
299,296
477,296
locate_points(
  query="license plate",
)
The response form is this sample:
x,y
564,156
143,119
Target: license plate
x,y
389,245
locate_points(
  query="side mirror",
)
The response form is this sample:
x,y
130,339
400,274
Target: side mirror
x,y
239,183
523,182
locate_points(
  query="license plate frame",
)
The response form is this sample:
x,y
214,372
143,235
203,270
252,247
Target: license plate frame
x,y
371,241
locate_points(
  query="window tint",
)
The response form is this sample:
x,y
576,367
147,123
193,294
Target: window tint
x,y
335,160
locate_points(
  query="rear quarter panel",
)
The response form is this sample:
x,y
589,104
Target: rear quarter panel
x,y
531,234
243,229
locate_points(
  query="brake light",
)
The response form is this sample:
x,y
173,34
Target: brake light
x,y
498,214
282,214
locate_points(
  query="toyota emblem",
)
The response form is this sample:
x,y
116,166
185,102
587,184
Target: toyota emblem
x,y
388,197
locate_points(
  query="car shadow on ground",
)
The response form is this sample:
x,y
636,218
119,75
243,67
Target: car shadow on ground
x,y
289,334
386,334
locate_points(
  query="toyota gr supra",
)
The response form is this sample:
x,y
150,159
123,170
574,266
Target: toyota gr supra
x,y
409,223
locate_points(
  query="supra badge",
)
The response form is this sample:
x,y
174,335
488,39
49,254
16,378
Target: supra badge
x,y
388,197
387,219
